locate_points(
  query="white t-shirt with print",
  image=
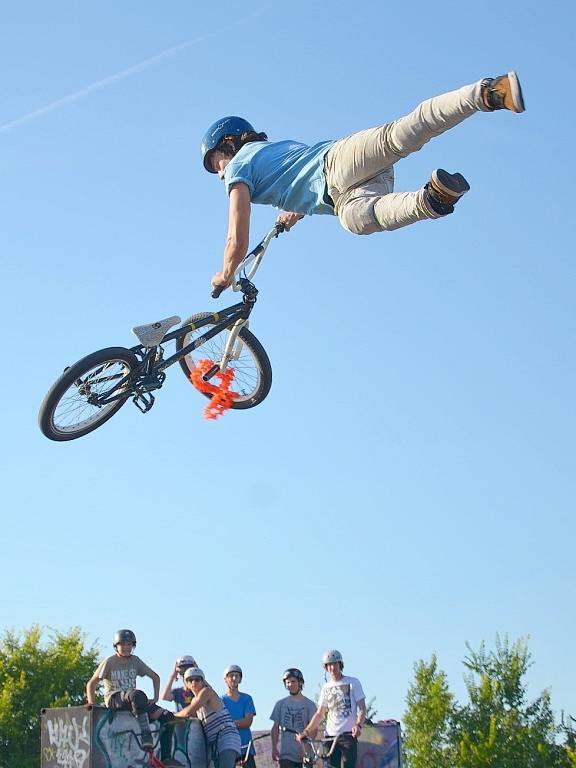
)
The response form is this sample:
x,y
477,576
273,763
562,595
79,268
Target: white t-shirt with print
x,y
341,698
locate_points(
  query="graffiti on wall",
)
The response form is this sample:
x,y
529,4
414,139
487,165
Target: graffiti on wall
x,y
378,747
68,742
118,740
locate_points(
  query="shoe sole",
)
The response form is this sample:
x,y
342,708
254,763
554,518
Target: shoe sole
x,y
452,184
516,92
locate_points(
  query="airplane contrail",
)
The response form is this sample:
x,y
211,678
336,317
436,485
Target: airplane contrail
x,y
71,97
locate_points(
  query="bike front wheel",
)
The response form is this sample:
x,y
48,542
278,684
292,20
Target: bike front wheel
x,y
72,409
252,370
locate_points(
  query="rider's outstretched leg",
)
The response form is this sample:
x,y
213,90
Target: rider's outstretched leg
x,y
359,168
373,208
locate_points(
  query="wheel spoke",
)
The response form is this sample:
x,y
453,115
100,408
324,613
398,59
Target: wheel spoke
x,y
73,412
246,370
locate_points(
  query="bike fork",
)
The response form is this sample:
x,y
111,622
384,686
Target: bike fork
x,y
232,350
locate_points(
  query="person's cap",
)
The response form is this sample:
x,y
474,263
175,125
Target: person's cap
x,y
194,672
186,661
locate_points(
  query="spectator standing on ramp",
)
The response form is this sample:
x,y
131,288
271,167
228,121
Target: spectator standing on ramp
x,y
179,694
241,708
221,733
293,712
343,703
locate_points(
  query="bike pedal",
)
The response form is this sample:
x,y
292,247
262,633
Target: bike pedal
x,y
143,402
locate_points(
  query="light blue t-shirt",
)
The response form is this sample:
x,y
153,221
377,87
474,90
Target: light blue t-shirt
x,y
286,174
238,711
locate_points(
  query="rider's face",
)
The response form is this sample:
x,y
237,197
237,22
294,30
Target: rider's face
x,y
195,684
219,161
334,670
124,649
233,680
292,685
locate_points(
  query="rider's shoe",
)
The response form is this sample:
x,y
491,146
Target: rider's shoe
x,y
443,191
147,741
171,762
503,92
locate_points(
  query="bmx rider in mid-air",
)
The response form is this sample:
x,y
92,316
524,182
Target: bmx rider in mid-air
x,y
352,178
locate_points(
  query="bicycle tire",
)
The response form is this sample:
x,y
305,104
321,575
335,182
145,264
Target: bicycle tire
x,y
252,372
76,419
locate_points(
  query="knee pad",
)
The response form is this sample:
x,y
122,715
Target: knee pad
x,y
138,701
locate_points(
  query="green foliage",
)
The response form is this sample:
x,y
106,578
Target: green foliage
x,y
569,746
498,727
371,711
428,717
33,675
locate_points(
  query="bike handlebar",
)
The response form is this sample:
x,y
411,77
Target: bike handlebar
x,y
217,291
332,740
256,255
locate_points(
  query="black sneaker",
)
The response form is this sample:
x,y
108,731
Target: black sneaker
x,y
171,762
503,92
443,191
147,741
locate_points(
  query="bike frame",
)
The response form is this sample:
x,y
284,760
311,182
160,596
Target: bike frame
x,y
152,760
315,754
243,760
150,373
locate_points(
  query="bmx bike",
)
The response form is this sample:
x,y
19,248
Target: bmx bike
x,y
316,750
150,759
243,759
91,391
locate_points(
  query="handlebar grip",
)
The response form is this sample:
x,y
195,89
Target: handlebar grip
x,y
217,291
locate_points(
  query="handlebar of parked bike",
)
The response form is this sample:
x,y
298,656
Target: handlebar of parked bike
x,y
316,753
254,253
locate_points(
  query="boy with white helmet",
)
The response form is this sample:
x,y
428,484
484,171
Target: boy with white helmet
x,y
221,734
180,695
241,709
291,712
343,703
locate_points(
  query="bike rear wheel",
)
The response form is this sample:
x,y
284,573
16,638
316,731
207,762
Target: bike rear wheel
x,y
66,412
252,370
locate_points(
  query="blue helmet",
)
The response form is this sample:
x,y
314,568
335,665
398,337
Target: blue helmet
x,y
226,126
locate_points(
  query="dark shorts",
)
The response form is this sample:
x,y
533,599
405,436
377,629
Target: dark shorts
x,y
120,701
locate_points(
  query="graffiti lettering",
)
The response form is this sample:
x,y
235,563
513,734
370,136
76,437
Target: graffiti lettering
x,y
69,743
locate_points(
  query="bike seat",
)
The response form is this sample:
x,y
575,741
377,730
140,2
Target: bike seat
x,y
152,334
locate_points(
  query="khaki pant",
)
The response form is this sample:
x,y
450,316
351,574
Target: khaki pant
x,y
360,168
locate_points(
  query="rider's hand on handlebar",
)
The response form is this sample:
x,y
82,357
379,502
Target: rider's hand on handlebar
x,y
287,219
219,284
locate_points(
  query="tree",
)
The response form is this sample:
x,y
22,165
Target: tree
x,y
567,729
33,675
428,718
499,726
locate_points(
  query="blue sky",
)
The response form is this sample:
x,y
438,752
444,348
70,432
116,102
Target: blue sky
x,y
409,483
